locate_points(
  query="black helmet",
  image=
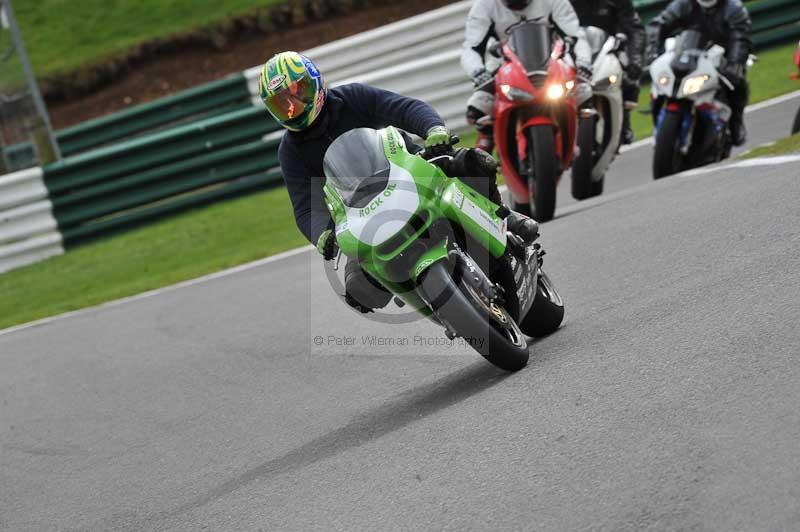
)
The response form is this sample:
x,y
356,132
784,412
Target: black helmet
x,y
516,5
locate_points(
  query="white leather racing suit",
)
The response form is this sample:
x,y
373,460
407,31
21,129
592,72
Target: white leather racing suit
x,y
490,19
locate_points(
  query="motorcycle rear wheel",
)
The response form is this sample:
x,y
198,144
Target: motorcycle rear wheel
x,y
542,181
487,327
668,159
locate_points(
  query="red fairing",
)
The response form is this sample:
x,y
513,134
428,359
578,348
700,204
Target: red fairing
x,y
517,115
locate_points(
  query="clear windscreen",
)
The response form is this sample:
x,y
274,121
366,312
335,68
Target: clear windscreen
x,y
531,41
357,167
690,40
688,48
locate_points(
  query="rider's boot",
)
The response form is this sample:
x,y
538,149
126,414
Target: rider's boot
x,y
738,131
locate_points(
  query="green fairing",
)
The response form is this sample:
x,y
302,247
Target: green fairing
x,y
440,197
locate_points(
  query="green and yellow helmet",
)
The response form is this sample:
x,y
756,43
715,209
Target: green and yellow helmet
x,y
293,90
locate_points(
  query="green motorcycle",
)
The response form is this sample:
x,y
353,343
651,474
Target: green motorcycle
x,y
438,245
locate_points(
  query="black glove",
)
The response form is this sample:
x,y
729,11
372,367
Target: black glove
x,y
481,77
734,73
327,245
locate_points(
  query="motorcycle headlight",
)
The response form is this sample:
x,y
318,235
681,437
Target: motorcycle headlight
x,y
513,93
694,84
555,91
605,83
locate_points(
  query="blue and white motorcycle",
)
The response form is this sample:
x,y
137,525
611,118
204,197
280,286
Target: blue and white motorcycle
x,y
689,109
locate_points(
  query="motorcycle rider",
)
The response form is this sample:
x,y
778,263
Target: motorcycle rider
x,y
619,16
724,22
490,19
294,92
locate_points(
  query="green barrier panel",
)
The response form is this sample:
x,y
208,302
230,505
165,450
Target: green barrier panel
x,y
155,150
108,226
225,94
137,190
770,14
223,162
765,40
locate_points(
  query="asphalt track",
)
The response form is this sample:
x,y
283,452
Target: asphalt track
x,y
667,401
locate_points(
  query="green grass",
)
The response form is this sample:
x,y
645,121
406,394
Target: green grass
x,y
781,147
61,35
178,248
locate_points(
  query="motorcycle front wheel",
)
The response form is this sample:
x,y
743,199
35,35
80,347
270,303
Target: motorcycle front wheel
x,y
485,325
547,311
542,179
668,158
582,185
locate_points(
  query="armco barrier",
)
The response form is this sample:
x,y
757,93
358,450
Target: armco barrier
x,y
210,98
28,230
413,78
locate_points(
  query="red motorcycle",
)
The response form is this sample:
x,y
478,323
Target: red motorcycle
x,y
535,116
796,75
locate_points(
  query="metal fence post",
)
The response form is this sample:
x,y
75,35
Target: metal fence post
x,y
42,135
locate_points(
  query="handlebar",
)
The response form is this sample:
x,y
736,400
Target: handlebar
x,y
428,154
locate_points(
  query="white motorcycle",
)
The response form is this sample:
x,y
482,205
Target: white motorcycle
x,y
689,112
600,118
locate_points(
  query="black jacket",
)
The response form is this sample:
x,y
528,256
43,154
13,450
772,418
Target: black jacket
x,y
615,16
728,25
348,107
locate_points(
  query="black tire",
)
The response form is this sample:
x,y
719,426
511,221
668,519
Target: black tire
x,y
503,345
542,181
582,165
547,311
796,124
668,158
597,186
